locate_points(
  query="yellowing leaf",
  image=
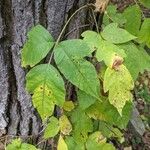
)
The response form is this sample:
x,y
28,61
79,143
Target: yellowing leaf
x,y
47,86
38,45
61,144
52,128
116,35
68,105
43,101
65,125
118,83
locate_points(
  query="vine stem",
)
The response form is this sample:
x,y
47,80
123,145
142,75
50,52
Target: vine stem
x,y
62,31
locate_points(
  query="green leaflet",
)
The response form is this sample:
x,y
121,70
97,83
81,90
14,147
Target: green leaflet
x,y
61,144
82,125
96,141
133,26
52,128
144,34
116,17
85,100
107,51
47,86
72,145
116,35
118,83
137,59
18,145
145,3
92,39
37,46
106,112
69,59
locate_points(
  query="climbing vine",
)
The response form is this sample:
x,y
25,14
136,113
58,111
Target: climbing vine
x,y
104,96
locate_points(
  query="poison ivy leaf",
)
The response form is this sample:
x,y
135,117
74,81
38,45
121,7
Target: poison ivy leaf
x,y
69,59
92,39
61,144
18,145
130,13
37,46
116,35
145,3
111,15
144,34
118,83
82,125
107,51
47,86
85,100
52,128
65,125
72,145
96,141
106,112
137,60
42,101
68,106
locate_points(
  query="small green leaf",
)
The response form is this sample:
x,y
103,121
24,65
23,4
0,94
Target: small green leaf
x,y
69,59
37,46
62,144
47,86
18,145
118,83
65,125
116,35
82,125
97,141
137,59
133,26
52,128
144,34
85,100
145,3
92,39
68,106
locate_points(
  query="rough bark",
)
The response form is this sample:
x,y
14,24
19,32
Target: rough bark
x,y
17,115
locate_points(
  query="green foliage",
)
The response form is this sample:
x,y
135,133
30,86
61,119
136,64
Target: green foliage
x,y
116,35
47,86
131,25
145,3
17,144
103,102
137,59
39,42
69,59
52,128
144,34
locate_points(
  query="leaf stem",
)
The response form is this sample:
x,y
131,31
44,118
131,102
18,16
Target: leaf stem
x,y
62,31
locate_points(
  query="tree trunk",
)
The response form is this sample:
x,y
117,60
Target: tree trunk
x,y
17,115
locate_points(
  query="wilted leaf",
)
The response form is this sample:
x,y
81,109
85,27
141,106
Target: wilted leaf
x,y
62,144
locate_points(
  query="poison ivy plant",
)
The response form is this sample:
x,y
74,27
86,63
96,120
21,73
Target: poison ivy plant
x,y
116,35
102,68
40,43
130,13
17,144
144,34
47,87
